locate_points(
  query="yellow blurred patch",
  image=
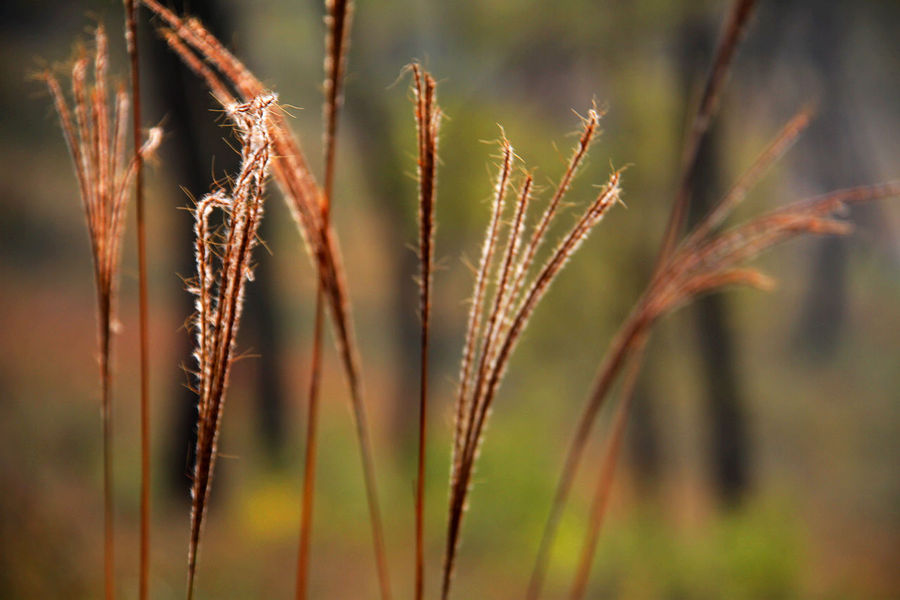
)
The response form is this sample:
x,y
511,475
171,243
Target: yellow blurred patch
x,y
270,511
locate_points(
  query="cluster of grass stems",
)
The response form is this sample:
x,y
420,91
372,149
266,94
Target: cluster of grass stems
x,y
512,276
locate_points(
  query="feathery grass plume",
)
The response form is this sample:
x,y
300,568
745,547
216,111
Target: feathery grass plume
x,y
96,141
428,121
513,302
477,308
224,265
131,42
338,17
210,60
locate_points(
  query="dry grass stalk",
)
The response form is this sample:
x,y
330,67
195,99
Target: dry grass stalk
x,y
732,33
210,60
224,265
96,140
339,15
131,41
428,121
512,305
607,473
733,30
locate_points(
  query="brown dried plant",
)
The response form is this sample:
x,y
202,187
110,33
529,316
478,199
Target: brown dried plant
x,y
224,265
96,138
213,63
339,17
428,122
490,342
131,42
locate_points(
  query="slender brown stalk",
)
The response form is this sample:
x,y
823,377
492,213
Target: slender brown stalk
x,y
428,119
636,326
616,356
95,137
732,33
309,461
338,18
219,289
707,265
132,44
607,472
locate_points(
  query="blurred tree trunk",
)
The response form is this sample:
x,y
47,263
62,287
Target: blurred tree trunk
x,y
729,449
824,38
184,105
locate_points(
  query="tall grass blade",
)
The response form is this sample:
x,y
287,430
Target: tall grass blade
x,y
428,120
607,474
338,19
131,42
733,30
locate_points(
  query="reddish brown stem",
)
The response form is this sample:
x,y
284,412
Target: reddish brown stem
x,y
616,356
608,471
106,417
338,18
132,43
427,121
732,33
309,468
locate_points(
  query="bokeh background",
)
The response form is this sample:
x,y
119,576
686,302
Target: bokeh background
x,y
762,458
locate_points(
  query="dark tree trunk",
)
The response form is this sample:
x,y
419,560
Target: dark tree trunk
x,y
823,34
643,437
193,137
729,448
